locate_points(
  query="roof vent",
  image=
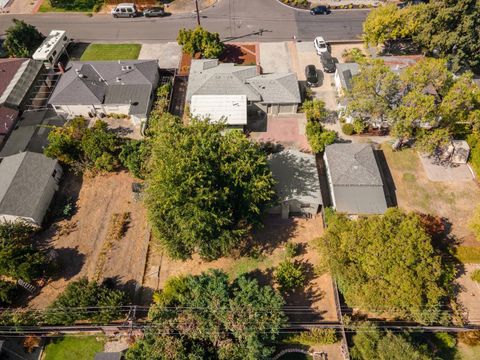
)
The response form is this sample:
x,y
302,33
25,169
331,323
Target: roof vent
x,y
118,79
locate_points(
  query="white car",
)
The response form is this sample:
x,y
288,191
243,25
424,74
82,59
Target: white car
x,y
320,45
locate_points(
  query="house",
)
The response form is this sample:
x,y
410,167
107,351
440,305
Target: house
x,y
297,183
354,180
229,108
275,94
52,48
28,182
398,63
98,88
343,76
17,79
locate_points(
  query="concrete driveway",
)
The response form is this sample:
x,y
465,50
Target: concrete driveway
x,y
168,54
275,57
435,172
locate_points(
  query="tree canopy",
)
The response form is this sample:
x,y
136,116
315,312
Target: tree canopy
x,y
207,317
22,39
206,189
201,41
386,264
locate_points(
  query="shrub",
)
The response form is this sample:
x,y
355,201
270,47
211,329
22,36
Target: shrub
x,y
290,275
134,155
476,276
318,137
314,337
353,55
359,126
314,109
348,129
200,41
470,338
292,249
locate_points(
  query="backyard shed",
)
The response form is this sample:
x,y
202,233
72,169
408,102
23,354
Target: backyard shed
x,y
461,152
297,183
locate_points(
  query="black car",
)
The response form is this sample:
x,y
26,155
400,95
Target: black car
x,y
320,10
311,75
327,62
154,12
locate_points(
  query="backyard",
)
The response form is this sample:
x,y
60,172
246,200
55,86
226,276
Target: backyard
x,y
110,52
73,347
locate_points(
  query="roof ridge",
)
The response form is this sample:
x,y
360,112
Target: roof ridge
x,y
24,153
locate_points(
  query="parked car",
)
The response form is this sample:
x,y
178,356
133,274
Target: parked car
x,y
154,12
320,10
311,75
327,62
320,45
125,10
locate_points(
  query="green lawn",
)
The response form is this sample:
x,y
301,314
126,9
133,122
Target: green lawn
x,y
46,7
73,347
468,254
108,52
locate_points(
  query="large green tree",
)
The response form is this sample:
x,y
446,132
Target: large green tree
x,y
207,188
22,39
207,317
199,40
386,264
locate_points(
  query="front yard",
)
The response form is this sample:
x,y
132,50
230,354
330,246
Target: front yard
x,y
74,347
110,52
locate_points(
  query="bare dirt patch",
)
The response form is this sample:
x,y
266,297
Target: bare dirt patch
x,y
452,200
315,301
80,240
470,293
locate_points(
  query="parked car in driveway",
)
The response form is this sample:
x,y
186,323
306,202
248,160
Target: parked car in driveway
x,y
320,10
311,75
125,10
327,62
154,12
320,45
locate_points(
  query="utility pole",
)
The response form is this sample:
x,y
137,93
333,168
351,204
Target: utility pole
x,y
198,13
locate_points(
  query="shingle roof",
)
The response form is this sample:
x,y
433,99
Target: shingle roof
x,y
296,175
355,177
8,69
21,82
209,77
107,82
23,179
8,118
346,72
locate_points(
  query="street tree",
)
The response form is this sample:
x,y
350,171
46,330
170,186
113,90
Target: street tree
x,y
208,317
200,41
207,189
22,39
386,264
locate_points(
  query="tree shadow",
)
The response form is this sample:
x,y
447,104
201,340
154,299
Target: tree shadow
x,y
66,262
77,49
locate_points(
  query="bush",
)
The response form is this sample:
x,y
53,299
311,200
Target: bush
x,y
348,129
292,249
470,338
359,126
134,156
476,276
290,275
314,337
318,137
200,41
314,109
77,5
353,55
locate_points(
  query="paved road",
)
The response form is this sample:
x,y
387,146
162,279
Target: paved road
x,y
233,19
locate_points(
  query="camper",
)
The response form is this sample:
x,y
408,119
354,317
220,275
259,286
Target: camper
x,y
52,48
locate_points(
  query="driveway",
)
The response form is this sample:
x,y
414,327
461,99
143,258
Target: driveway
x,y
275,57
168,54
435,172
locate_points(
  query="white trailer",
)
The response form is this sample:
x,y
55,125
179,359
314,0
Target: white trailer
x,y
52,48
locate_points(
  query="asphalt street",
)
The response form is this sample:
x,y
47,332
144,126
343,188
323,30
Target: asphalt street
x,y
241,20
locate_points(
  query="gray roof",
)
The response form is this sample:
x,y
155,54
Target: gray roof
x,y
296,175
355,177
107,82
23,179
346,72
108,356
209,77
21,83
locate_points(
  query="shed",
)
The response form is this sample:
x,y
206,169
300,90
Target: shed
x,y
297,183
231,108
461,152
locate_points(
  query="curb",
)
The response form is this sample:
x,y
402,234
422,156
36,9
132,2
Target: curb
x,y
308,10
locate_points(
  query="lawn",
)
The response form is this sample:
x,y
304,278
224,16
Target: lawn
x,y
47,7
108,52
73,347
468,254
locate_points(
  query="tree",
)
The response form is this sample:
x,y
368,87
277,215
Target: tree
x,y
371,343
134,156
7,288
64,142
22,39
99,145
19,260
314,110
386,264
430,142
206,189
318,137
200,41
290,275
207,317
84,300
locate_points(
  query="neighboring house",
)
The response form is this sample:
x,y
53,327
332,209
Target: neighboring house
x,y
17,79
98,88
398,63
354,180
297,183
343,76
28,182
275,94
229,108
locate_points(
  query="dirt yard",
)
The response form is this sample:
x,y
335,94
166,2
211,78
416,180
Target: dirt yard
x,y
81,241
470,293
315,301
452,200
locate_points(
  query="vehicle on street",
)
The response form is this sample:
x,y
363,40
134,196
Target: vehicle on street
x,y
320,10
128,10
154,12
327,62
320,45
311,75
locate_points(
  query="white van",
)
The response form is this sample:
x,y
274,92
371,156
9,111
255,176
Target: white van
x,y
125,10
